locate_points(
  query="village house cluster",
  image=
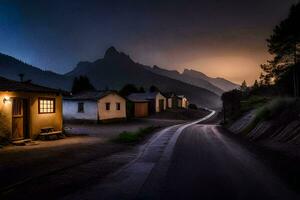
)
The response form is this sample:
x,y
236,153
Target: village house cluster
x,y
28,111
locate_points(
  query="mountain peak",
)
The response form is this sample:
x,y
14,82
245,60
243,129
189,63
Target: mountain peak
x,y
113,55
111,52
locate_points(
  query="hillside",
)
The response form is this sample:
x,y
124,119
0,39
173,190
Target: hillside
x,y
11,67
117,69
221,83
197,81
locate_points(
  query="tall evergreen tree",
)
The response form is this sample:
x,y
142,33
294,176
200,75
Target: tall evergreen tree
x,y
244,86
128,89
81,84
284,45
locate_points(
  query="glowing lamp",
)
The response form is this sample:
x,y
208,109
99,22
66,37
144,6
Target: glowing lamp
x,y
6,99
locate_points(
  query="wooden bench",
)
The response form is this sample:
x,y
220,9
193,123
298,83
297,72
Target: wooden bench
x,y
48,132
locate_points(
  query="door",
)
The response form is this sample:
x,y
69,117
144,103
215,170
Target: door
x,y
161,105
18,119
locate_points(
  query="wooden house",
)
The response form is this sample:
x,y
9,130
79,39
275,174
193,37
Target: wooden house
x,y
182,101
157,101
139,106
172,100
26,109
94,106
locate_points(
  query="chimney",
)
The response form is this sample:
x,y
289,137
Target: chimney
x,y
21,75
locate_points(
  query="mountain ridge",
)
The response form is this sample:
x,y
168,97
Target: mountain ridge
x,y
112,71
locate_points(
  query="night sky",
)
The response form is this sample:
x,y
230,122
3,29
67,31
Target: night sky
x,y
219,38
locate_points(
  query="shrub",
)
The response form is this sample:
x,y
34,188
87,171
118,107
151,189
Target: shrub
x,y
134,137
193,106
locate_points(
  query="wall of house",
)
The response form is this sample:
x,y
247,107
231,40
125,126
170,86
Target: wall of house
x,y
141,109
70,110
184,103
36,121
5,116
170,103
179,103
113,113
39,121
159,96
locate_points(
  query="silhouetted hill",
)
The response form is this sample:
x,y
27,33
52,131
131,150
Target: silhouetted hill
x,y
197,81
11,67
117,69
221,83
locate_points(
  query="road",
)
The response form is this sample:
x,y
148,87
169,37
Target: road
x,y
191,161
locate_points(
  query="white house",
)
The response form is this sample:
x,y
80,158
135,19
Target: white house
x,y
94,106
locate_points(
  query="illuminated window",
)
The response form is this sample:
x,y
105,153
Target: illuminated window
x,y
46,105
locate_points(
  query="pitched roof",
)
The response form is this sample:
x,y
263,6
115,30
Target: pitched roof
x,y
15,86
142,96
169,94
91,95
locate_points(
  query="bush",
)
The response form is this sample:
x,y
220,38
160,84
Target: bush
x,y
193,106
283,110
134,137
274,108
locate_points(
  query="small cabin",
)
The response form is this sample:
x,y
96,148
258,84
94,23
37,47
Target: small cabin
x,y
172,100
97,106
139,107
182,101
157,101
26,109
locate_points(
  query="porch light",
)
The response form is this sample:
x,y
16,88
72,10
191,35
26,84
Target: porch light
x,y
6,99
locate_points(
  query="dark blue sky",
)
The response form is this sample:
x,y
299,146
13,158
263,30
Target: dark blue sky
x,y
220,38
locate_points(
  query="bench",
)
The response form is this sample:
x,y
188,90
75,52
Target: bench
x,y
47,133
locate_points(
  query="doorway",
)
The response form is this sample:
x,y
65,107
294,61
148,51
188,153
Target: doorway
x,y
19,119
161,105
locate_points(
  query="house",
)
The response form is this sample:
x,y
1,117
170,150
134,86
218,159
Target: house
x,y
182,101
139,106
94,106
157,101
26,109
171,100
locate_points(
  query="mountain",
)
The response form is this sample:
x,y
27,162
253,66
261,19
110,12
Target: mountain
x,y
193,77
197,81
221,83
116,69
11,67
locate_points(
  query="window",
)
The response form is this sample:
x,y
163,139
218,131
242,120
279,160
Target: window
x,y
118,106
46,105
107,106
80,107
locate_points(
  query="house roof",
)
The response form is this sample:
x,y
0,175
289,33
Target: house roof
x,y
169,94
142,96
15,86
91,95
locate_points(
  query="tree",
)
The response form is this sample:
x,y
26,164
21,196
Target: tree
x,y
255,85
81,84
284,46
231,104
153,88
141,90
128,89
244,86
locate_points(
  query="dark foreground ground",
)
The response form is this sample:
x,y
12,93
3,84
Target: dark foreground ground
x,y
203,162
53,169
186,161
